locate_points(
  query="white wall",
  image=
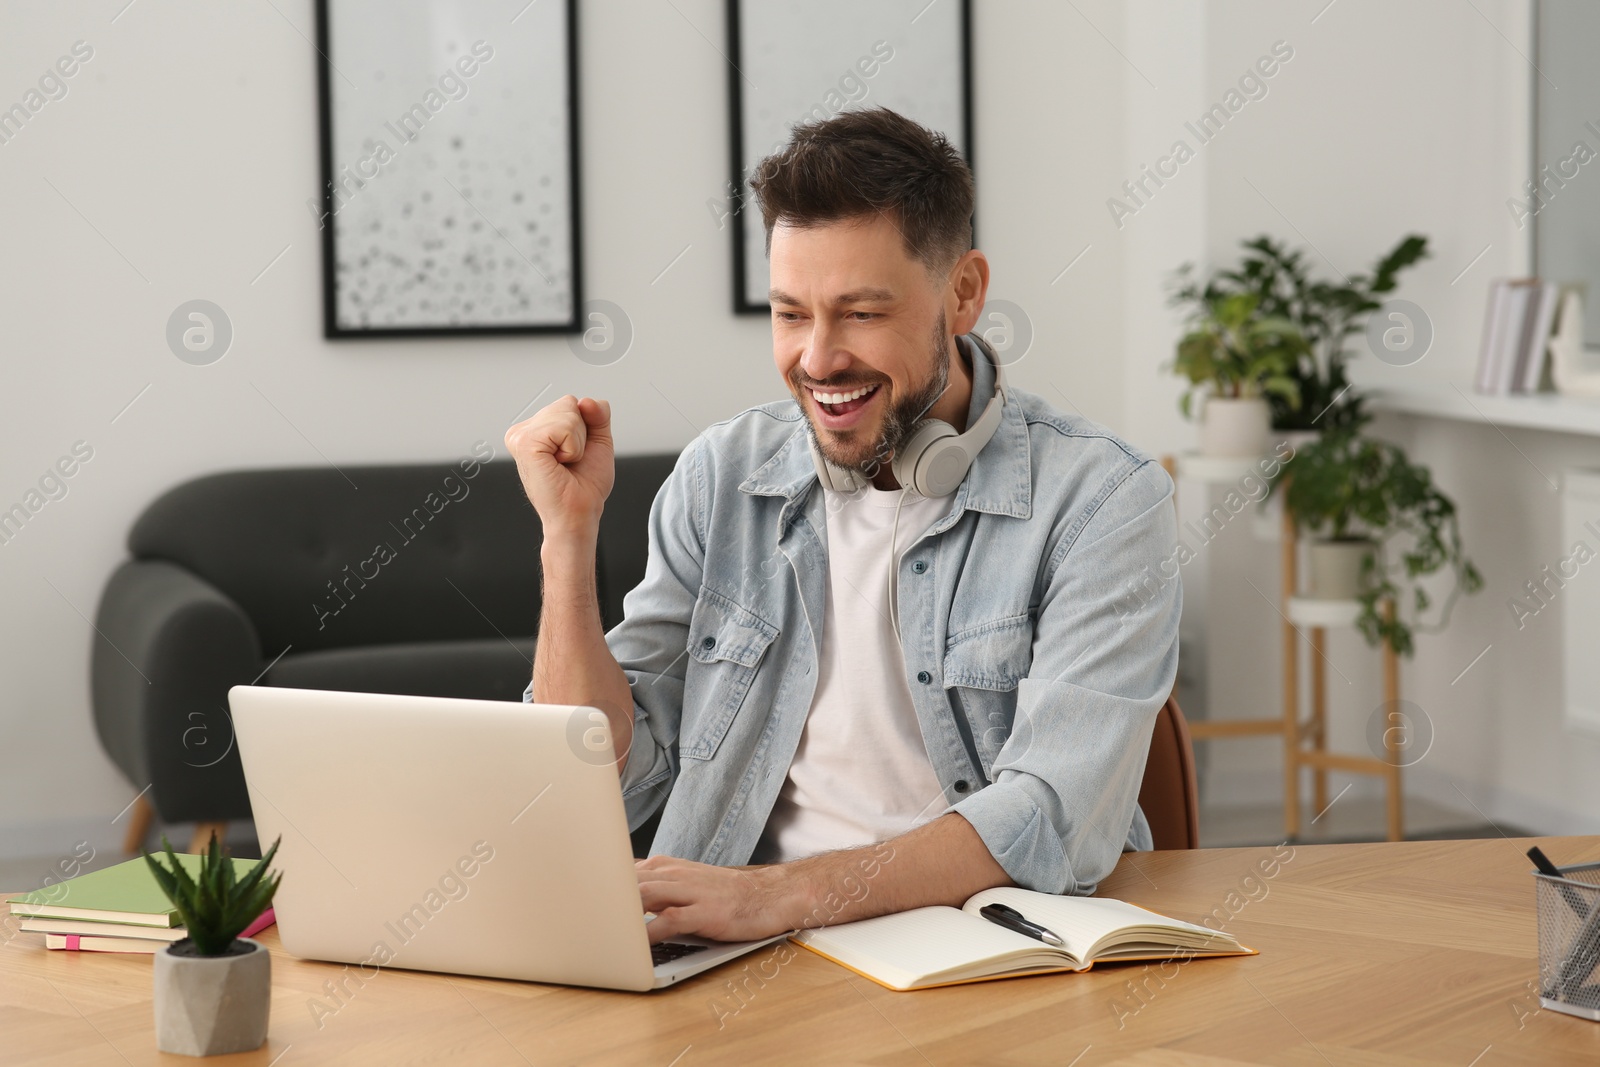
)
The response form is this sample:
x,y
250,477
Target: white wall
x,y
178,166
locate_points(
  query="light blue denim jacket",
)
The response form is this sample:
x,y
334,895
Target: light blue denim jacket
x,y
1036,677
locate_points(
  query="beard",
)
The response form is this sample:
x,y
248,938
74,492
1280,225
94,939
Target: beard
x,y
867,457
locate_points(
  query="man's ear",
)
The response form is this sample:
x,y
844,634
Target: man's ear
x,y
969,284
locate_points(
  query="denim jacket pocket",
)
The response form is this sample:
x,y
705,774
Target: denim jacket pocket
x,y
982,666
726,643
993,655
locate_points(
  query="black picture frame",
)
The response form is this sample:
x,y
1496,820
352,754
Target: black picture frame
x,y
743,211
332,327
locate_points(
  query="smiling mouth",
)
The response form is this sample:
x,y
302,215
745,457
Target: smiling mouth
x,y
843,402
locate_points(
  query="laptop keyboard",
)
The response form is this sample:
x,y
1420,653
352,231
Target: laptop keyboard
x,y
667,951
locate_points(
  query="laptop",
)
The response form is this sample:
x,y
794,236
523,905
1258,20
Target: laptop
x,y
471,837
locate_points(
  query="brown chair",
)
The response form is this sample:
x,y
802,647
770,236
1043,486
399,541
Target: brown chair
x,y
1169,795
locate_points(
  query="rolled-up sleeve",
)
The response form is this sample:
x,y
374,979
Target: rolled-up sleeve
x,y
1105,654
650,642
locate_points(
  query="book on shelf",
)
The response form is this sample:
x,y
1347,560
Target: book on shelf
x,y
1536,337
1516,335
1493,326
126,893
927,947
117,937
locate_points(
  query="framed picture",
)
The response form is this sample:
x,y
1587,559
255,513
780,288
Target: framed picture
x,y
794,64
449,197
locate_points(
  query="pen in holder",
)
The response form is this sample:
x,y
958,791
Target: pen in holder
x,y
1568,906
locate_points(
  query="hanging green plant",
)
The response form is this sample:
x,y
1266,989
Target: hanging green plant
x,y
1345,486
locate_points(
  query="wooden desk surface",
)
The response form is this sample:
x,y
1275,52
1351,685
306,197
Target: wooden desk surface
x,y
1405,953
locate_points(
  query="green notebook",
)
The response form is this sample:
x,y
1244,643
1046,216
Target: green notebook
x,y
126,893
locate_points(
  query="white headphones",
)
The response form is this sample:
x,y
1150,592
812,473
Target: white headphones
x,y
934,458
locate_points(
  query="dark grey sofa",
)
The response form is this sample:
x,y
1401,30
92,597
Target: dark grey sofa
x,y
281,575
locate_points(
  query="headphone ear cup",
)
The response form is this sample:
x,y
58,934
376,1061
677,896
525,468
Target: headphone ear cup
x,y
926,462
941,469
935,459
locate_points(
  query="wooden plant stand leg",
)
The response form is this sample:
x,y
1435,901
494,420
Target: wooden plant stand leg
x,y
1291,685
1391,738
139,822
203,832
1319,716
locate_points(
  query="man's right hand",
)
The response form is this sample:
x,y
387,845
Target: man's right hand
x,y
565,457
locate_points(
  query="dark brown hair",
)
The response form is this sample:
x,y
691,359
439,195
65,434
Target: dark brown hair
x,y
873,160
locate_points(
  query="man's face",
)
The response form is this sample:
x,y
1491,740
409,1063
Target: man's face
x,y
859,333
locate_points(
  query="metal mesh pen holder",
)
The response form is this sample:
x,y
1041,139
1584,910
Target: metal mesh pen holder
x,y
1569,940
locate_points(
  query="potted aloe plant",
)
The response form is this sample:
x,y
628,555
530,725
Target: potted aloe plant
x,y
1235,359
213,988
1357,496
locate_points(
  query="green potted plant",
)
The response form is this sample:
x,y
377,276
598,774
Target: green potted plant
x,y
1234,359
213,988
1356,496
1326,314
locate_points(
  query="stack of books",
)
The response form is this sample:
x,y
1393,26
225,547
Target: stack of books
x,y
119,909
1516,335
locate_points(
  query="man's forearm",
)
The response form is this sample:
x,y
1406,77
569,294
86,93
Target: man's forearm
x,y
940,862
572,663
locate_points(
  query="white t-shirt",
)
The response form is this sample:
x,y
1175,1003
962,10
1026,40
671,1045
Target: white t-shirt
x,y
861,773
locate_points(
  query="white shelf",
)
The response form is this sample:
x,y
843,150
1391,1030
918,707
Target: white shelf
x,y
1217,469
1554,412
1309,611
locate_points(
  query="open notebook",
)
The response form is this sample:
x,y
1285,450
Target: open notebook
x,y
928,947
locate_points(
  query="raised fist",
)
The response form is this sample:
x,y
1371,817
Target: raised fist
x,y
565,457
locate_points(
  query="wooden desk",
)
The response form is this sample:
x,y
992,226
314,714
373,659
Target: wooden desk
x,y
1389,953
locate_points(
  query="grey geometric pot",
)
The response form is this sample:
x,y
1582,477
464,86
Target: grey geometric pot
x,y
210,1005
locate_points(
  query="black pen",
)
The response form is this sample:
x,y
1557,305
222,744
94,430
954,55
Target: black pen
x,y
1570,895
1012,920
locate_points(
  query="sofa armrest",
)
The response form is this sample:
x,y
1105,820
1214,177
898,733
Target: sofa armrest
x,y
169,646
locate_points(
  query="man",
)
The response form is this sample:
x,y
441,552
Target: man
x,y
884,700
